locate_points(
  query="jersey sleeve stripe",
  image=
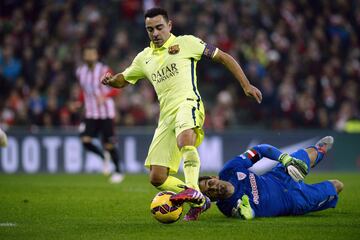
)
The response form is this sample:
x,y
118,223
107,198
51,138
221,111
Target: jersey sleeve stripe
x,y
253,155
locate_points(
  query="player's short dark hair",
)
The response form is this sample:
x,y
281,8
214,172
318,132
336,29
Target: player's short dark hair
x,y
153,12
90,46
204,178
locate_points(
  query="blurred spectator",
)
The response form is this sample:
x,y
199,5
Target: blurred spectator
x,y
222,114
304,55
10,67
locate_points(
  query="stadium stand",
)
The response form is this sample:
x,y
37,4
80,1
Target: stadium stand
x,y
303,55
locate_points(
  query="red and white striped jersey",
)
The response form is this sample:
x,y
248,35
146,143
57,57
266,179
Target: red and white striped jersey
x,y
92,88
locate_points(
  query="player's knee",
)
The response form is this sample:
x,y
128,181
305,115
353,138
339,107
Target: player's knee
x,y
338,185
157,179
86,139
186,138
158,175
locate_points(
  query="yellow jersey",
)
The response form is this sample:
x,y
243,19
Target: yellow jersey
x,y
171,69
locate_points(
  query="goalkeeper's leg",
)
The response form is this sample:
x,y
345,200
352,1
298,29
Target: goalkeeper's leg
x,y
316,153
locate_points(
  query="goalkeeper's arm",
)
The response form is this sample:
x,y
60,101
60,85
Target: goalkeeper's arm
x,y
296,168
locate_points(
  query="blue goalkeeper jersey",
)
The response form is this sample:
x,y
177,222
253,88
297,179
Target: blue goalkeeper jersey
x,y
268,194
274,193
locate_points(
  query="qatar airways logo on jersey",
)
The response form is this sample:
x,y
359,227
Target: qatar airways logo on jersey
x,y
165,73
254,189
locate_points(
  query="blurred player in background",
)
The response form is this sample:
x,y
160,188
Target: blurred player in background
x,y
99,111
170,65
241,193
3,138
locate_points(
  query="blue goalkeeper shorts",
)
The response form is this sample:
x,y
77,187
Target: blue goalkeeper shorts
x,y
307,197
313,197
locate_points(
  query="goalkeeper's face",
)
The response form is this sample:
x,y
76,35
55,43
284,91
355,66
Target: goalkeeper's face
x,y
215,188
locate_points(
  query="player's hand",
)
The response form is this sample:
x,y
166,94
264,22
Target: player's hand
x,y
115,81
296,168
252,91
107,78
3,138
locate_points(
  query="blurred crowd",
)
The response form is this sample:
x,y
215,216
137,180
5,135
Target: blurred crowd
x,y
304,56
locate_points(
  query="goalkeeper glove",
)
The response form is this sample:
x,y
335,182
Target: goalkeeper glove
x,y
296,168
246,211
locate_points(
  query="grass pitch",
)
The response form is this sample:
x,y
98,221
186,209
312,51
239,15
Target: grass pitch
x,y
88,207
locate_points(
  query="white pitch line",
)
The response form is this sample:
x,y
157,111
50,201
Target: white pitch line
x,y
8,224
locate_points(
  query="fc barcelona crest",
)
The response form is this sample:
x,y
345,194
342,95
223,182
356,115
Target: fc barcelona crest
x,y
174,49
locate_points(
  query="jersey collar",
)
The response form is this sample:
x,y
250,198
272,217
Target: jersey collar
x,y
166,44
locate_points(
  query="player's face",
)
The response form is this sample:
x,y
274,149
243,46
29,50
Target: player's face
x,y
216,189
158,29
90,55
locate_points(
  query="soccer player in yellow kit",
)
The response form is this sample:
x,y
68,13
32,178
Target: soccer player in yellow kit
x,y
170,65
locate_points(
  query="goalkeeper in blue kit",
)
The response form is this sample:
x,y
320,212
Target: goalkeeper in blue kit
x,y
239,192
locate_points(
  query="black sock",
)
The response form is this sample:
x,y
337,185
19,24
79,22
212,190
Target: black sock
x,y
92,148
115,158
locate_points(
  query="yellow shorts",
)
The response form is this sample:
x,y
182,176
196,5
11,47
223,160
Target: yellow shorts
x,y
163,150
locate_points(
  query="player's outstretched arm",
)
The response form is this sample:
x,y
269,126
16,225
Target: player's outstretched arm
x,y
230,63
268,151
296,168
115,81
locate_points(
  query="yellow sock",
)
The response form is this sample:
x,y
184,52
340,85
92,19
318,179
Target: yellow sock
x,y
191,166
172,184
